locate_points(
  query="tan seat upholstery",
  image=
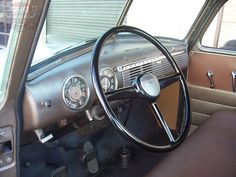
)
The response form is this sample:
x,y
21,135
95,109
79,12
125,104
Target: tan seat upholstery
x,y
208,152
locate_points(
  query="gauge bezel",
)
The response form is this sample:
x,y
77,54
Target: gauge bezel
x,y
87,90
109,68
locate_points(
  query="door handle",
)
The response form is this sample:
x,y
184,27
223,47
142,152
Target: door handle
x,y
210,75
233,74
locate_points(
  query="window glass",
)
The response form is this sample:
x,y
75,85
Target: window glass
x,y
222,31
166,18
72,22
9,10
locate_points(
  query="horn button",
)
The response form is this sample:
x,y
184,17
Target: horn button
x,y
149,85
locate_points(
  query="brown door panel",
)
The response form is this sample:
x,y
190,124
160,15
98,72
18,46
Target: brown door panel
x,y
221,65
204,100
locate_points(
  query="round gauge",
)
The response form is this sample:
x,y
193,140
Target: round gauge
x,y
75,92
108,79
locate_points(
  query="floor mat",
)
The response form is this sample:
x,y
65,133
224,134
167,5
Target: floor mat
x,y
40,161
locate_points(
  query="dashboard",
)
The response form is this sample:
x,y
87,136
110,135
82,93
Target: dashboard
x,y
65,89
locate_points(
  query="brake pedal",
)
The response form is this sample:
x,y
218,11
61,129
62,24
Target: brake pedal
x,y
90,157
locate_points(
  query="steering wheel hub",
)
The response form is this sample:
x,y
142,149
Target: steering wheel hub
x,y
149,85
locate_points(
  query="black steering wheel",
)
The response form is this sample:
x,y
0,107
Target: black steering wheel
x,y
145,86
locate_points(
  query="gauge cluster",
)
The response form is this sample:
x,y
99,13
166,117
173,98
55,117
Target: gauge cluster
x,y
108,79
75,92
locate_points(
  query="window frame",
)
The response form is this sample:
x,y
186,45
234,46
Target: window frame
x,y
208,49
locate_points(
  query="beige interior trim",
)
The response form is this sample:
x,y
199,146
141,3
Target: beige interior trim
x,y
192,129
206,101
199,118
213,95
208,108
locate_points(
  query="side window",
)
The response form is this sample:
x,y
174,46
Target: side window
x,y
221,33
5,27
8,11
5,21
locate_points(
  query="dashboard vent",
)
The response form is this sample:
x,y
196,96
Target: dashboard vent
x,y
160,67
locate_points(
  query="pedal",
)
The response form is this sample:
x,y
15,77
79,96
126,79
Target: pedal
x,y
59,172
90,157
42,137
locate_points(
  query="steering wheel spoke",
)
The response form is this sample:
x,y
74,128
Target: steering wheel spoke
x,y
165,82
124,93
160,119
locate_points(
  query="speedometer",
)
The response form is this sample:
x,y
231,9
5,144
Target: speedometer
x,y
75,92
108,79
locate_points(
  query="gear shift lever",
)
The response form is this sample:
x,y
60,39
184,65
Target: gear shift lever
x,y
125,154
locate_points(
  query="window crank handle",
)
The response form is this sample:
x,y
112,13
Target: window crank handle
x,y
233,74
210,75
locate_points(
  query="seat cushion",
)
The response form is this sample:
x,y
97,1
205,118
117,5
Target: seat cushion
x,y
209,152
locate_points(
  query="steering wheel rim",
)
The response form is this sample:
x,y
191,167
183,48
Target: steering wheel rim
x,y
104,101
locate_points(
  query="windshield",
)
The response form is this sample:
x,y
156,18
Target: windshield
x,y
75,22
164,18
71,22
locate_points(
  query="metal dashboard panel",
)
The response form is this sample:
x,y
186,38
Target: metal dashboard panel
x,y
43,102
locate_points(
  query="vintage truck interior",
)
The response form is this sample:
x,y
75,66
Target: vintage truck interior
x,y
120,88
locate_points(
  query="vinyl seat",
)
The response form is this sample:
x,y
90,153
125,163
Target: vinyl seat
x,y
209,152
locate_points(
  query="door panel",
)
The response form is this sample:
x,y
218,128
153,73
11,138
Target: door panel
x,y
8,128
11,109
204,100
221,65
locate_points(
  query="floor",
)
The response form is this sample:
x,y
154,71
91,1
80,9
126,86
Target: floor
x,y
44,160
142,163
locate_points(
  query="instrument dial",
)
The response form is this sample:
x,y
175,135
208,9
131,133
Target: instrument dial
x,y
75,92
108,79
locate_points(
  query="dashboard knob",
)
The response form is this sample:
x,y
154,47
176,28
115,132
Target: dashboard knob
x,y
47,103
97,112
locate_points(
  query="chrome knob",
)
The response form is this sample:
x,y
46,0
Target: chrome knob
x,y
46,103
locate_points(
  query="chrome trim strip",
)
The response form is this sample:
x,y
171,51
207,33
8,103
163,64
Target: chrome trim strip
x,y
163,123
140,63
7,167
